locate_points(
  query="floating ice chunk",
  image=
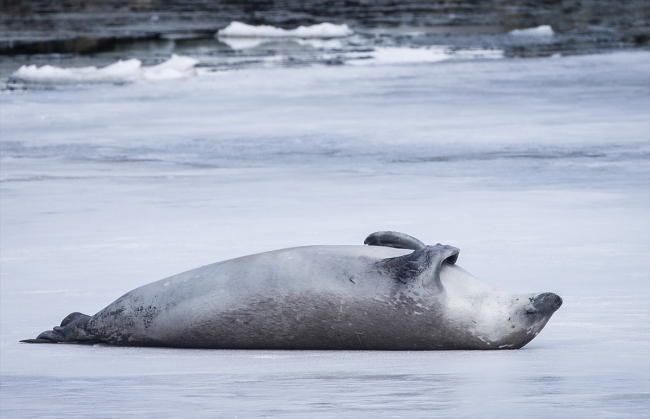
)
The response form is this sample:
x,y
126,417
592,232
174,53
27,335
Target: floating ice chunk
x,y
544,30
242,43
321,43
249,43
120,72
405,55
401,55
321,30
177,67
479,53
410,55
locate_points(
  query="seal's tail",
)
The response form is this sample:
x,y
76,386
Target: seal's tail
x,y
72,329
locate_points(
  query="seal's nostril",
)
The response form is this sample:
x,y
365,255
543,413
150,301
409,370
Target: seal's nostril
x,y
557,300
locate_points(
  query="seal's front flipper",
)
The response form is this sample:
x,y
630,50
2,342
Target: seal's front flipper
x,y
393,239
422,266
72,329
37,341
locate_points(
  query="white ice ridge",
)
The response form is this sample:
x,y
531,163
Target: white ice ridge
x,y
321,30
409,55
405,55
543,30
176,67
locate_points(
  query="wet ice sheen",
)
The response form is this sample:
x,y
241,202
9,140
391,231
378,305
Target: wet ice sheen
x,y
536,169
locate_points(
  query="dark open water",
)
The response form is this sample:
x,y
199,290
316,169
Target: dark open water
x,y
79,33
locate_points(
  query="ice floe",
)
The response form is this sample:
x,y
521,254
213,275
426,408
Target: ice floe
x,y
250,43
405,55
321,43
243,43
321,30
409,55
176,67
543,30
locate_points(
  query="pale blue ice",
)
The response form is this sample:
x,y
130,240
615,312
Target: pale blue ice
x,y
537,169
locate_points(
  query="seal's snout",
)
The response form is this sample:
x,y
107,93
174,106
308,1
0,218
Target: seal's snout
x,y
557,300
547,302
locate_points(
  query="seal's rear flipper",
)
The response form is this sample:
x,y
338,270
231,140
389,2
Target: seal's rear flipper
x,y
72,329
393,239
75,317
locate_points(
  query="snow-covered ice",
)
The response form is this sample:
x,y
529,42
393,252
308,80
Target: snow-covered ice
x,y
409,55
181,67
248,43
542,30
176,67
320,30
537,169
386,55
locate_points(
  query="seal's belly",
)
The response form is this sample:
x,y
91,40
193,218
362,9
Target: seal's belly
x,y
295,321
303,297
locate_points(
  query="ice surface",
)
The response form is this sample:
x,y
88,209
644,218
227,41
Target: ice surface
x,y
181,67
407,55
243,43
543,31
120,72
389,55
176,67
538,170
248,43
321,30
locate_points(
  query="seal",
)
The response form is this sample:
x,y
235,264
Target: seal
x,y
394,294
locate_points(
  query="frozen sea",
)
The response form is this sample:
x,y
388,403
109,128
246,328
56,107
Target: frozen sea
x,y
537,169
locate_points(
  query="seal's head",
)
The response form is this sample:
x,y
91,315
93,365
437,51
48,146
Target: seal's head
x,y
469,313
533,315
495,318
